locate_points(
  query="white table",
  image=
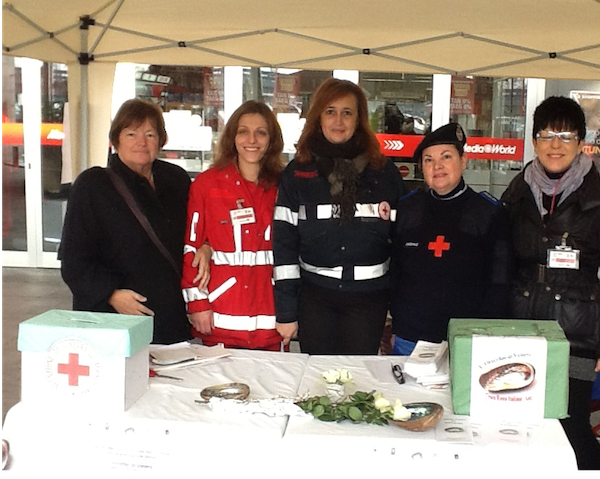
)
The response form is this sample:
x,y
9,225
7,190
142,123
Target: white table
x,y
537,447
167,431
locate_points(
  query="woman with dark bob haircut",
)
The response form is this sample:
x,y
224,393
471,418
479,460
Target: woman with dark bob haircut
x,y
109,261
231,208
554,207
332,230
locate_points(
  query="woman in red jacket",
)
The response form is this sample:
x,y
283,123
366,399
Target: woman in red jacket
x,y
231,207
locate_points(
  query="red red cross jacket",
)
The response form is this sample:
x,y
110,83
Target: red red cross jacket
x,y
236,217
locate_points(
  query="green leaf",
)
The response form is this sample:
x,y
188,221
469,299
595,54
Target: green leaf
x,y
327,417
355,413
318,411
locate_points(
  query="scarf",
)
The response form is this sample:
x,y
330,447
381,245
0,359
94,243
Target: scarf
x,y
539,182
342,165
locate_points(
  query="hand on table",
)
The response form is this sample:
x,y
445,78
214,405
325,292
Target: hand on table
x,y
287,331
202,321
126,301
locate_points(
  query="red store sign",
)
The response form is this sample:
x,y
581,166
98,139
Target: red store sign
x,y
499,149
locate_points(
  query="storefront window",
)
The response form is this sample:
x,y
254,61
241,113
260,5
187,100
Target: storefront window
x,y
54,193
192,99
400,108
14,219
492,112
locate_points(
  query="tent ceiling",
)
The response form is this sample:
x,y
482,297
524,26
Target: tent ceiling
x,y
515,38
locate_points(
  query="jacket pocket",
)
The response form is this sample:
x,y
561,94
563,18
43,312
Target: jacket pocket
x,y
521,304
578,314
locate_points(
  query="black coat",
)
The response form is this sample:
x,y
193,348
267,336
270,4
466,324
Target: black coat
x,y
105,248
469,279
572,297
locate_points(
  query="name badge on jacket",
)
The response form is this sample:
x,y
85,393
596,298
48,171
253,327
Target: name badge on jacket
x,y
562,257
242,216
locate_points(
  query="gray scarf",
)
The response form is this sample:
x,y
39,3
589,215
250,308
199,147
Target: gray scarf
x,y
540,184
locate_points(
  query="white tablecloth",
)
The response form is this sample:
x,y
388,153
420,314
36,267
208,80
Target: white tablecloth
x,y
537,446
167,431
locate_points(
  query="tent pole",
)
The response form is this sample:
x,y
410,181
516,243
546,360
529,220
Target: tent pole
x,y
84,60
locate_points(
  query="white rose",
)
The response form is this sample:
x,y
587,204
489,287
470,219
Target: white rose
x,y
381,403
331,376
345,376
400,412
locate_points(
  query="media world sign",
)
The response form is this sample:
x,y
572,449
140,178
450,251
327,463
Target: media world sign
x,y
498,149
506,149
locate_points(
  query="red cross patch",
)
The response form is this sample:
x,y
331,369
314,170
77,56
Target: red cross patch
x,y
438,246
384,210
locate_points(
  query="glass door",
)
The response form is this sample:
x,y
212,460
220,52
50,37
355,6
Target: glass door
x,y
33,197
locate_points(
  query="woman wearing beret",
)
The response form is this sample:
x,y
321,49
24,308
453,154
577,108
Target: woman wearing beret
x,y
554,207
332,229
451,248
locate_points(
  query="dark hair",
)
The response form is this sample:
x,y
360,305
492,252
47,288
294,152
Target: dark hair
x,y
272,162
561,114
134,113
330,90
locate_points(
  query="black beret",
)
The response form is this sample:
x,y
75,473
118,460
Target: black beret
x,y
450,134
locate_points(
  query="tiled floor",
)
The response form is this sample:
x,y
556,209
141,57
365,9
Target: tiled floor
x,y
26,292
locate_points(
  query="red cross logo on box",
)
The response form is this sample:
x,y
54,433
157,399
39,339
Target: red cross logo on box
x,y
438,246
72,366
73,369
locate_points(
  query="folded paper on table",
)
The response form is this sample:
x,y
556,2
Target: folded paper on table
x,y
428,364
184,355
460,337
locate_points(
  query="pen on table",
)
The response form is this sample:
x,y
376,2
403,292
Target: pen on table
x,y
398,374
164,376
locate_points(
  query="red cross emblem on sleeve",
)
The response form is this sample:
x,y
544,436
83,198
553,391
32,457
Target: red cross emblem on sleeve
x,y
438,246
73,369
384,210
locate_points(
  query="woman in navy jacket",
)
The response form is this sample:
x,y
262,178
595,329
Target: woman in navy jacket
x,y
332,229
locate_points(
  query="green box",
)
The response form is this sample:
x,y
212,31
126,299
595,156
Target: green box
x,y
460,336
109,334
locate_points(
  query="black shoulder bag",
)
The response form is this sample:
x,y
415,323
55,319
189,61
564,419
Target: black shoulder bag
x,y
133,206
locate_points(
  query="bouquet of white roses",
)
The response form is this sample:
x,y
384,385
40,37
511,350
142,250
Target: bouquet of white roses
x,y
371,408
337,376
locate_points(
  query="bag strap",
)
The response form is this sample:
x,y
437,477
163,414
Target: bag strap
x,y
133,206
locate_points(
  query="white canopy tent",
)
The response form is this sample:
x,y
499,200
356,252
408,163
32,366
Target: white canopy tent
x,y
552,39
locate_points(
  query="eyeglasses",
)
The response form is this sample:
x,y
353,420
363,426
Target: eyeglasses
x,y
564,136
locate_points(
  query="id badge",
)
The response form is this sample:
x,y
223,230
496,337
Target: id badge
x,y
563,257
242,216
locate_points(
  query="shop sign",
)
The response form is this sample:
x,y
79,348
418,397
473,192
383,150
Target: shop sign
x,y
462,96
286,92
590,104
398,145
51,134
213,88
407,170
498,149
